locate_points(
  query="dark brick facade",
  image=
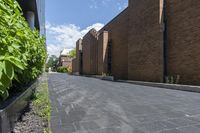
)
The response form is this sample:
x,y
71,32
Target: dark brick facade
x,y
102,52
74,65
79,50
118,37
149,42
183,50
89,46
145,41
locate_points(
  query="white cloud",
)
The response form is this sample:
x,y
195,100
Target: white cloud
x,y
65,36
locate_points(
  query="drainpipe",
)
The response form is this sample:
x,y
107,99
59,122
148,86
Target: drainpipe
x,y
165,72
30,16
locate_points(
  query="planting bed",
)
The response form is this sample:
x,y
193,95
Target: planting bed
x,y
36,116
11,109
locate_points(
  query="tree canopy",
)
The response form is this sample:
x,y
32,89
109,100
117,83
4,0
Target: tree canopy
x,y
52,61
72,53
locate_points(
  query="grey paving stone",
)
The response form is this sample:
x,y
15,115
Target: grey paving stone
x,y
90,125
107,130
171,131
63,128
198,126
136,130
150,118
152,127
190,129
87,105
193,111
182,121
174,114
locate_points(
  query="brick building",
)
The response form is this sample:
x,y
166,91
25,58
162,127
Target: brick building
x,y
89,55
148,41
65,60
77,62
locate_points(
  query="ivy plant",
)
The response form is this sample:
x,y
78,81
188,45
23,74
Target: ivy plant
x,y
22,50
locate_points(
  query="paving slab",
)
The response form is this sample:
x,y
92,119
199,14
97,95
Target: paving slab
x,y
87,105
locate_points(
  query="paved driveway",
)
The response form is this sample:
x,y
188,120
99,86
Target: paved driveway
x,y
87,105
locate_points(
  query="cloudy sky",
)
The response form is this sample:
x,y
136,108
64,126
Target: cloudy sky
x,y
69,20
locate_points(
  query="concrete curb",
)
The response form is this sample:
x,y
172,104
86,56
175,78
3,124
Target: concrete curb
x,y
107,78
189,88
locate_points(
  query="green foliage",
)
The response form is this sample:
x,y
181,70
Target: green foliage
x,y
52,62
41,102
72,53
22,50
62,69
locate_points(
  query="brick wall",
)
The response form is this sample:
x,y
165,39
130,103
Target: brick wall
x,y
145,41
183,50
74,65
89,45
137,36
78,55
102,52
118,34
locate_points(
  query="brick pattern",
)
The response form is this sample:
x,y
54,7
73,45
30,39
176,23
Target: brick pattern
x,y
102,52
65,61
89,45
138,42
78,54
183,50
145,41
74,65
118,33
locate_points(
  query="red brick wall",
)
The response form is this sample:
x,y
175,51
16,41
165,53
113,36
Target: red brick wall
x,y
89,44
183,51
65,61
118,33
145,41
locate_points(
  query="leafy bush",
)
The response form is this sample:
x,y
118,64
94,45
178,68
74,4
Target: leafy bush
x,y
22,50
62,69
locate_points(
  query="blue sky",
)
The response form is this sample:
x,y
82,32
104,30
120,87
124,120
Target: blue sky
x,y
69,20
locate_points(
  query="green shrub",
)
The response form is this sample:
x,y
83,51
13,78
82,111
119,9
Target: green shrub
x,y
62,69
22,50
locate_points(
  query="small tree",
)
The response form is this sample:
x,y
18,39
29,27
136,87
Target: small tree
x,y
52,62
72,53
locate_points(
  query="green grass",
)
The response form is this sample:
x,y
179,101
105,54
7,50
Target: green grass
x,y
41,102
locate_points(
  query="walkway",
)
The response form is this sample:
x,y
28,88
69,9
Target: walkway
x,y
87,105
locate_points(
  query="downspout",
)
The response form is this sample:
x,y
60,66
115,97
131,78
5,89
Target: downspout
x,y
165,72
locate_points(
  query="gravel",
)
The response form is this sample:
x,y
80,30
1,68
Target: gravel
x,y
30,122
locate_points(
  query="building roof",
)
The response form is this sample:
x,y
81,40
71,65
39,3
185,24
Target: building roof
x,y
64,52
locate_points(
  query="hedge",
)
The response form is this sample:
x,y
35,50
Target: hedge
x,y
22,50
62,69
